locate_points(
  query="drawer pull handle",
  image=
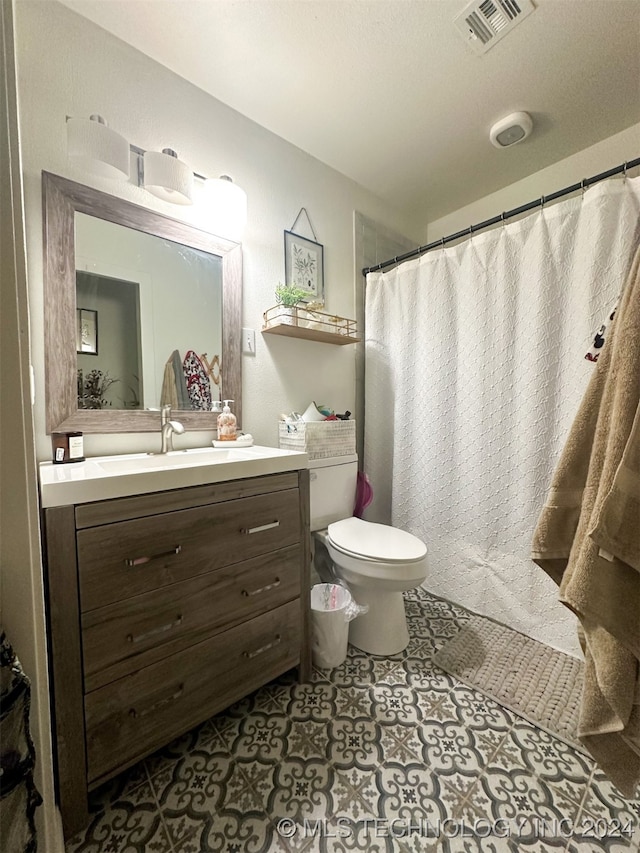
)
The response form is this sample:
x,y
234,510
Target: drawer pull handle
x,y
138,637
259,529
273,585
140,561
157,705
262,649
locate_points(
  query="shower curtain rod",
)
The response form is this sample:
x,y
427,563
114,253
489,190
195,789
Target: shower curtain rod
x,y
539,202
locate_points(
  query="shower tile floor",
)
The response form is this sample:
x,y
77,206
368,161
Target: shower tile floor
x,y
376,755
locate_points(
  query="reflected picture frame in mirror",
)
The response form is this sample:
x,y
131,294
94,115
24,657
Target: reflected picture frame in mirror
x,y
86,331
62,199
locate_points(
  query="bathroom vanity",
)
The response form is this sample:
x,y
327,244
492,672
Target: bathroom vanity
x,y
176,585
177,582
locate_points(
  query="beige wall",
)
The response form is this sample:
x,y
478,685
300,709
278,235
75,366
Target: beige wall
x,y
591,161
68,66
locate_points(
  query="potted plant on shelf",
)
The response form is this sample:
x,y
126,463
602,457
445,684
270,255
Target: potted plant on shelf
x,y
288,297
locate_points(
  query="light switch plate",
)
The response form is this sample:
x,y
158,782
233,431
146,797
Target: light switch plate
x,y
249,341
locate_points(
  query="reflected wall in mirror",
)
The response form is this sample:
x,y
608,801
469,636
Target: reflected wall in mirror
x,y
164,299
117,361
154,298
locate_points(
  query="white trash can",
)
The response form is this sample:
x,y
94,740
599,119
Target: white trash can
x,y
331,607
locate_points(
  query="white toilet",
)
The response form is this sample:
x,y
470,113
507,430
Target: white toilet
x,y
376,561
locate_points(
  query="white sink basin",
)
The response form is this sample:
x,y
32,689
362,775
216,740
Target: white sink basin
x,y
139,462
106,477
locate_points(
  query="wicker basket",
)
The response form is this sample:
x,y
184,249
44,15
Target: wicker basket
x,y
319,439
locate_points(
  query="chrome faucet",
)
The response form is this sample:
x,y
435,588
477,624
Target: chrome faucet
x,y
167,429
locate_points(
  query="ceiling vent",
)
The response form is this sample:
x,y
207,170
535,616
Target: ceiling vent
x,y
485,22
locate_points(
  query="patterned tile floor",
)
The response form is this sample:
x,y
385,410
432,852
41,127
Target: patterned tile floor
x,y
377,755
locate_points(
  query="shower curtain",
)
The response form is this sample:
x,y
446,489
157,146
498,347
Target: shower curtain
x,y
475,367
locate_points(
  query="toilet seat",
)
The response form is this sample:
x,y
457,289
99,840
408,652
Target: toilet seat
x,y
366,540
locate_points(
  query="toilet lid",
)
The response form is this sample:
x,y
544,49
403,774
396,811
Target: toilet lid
x,y
376,541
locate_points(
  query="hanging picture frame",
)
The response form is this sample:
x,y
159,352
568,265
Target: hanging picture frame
x,y
304,265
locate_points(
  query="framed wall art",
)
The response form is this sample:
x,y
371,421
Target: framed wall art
x,y
304,265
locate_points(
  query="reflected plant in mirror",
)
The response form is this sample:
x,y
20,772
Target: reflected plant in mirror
x,y
92,389
167,297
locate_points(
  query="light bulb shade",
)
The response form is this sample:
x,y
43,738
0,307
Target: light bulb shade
x,y
167,177
93,146
227,207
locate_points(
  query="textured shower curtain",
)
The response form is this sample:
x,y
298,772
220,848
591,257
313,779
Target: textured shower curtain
x,y
475,369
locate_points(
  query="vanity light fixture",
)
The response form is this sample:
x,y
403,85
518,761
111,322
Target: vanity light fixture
x,y
227,206
93,146
167,177
98,149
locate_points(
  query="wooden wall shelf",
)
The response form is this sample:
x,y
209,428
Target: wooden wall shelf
x,y
299,322
310,334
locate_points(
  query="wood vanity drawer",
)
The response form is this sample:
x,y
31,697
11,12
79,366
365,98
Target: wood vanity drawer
x,y
117,561
132,716
128,635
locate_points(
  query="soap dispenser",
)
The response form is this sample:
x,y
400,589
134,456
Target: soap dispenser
x,y
227,423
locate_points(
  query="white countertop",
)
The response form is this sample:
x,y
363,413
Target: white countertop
x,y
104,477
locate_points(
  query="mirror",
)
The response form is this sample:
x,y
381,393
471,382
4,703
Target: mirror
x,y
100,285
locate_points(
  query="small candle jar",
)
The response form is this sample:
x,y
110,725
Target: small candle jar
x,y
67,447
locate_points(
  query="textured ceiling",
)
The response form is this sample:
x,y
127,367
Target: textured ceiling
x,y
388,93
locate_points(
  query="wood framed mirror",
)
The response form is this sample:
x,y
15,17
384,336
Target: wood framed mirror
x,y
64,204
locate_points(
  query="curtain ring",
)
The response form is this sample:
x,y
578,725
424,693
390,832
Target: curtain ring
x,y
471,231
503,218
624,170
542,201
442,242
583,185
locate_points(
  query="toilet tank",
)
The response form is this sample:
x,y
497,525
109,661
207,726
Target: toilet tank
x,y
332,489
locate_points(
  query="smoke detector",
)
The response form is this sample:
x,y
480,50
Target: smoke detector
x,y
484,22
511,129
